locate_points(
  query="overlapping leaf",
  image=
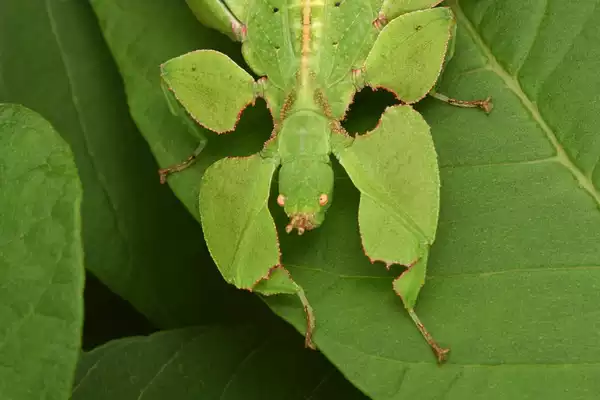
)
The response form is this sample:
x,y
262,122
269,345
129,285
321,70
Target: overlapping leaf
x,y
138,239
41,259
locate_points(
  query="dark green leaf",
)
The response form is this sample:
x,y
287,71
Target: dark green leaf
x,y
41,259
234,363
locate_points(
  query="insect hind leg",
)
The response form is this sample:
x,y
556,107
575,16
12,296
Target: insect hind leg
x,y
485,104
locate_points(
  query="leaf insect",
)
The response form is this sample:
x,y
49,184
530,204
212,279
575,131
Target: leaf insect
x,y
313,56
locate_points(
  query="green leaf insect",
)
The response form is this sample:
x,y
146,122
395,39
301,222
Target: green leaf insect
x,y
313,56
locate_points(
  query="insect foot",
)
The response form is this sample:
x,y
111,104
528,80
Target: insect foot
x,y
440,353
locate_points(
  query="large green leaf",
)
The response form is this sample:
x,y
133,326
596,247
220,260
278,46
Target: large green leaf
x,y
41,259
138,239
239,362
513,276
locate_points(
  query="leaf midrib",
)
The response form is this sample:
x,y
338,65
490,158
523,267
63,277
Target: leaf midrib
x,y
513,84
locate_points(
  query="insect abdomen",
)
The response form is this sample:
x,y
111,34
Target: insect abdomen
x,y
304,134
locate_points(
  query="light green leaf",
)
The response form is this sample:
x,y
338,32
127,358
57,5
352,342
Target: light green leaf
x,y
138,239
226,363
41,259
513,275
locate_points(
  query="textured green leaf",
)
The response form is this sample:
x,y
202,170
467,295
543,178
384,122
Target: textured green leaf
x,y
512,279
41,259
138,239
242,362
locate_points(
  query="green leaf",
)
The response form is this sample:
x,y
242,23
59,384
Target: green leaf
x,y
138,239
41,259
227,363
513,274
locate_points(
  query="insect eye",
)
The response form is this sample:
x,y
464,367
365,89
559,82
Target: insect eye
x,y
281,200
323,199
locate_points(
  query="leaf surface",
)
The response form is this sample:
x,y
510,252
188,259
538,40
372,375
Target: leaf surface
x,y
226,363
41,259
514,271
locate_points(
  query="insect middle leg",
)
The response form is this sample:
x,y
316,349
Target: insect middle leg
x,y
165,172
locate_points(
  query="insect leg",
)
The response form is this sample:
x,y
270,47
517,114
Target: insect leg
x,y
207,90
395,169
486,104
407,286
165,172
409,67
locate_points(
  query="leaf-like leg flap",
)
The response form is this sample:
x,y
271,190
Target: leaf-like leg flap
x,y
217,15
211,87
395,169
408,55
407,286
239,229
